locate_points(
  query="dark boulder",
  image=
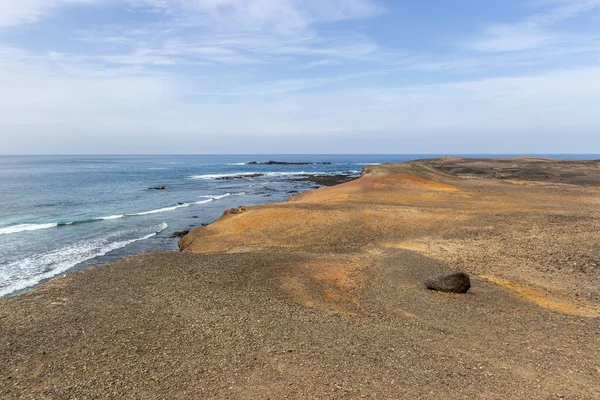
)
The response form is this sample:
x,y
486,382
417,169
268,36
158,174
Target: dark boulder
x,y
180,234
458,282
239,177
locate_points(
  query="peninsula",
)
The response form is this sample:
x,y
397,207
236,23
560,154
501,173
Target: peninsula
x,y
322,297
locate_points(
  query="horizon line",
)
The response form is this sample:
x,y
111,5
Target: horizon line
x,y
293,154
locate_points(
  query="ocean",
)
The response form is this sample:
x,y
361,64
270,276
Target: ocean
x,y
60,214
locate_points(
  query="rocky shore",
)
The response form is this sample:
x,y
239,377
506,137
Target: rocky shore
x,y
328,296
288,163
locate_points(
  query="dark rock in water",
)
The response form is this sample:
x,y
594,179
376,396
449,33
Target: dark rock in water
x,y
180,234
458,282
180,204
326,180
238,177
158,188
233,211
288,163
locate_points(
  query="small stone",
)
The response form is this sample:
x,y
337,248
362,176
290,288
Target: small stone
x,y
458,282
233,211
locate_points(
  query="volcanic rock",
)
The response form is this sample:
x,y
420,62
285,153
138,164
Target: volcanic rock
x,y
238,177
238,210
180,234
288,163
458,282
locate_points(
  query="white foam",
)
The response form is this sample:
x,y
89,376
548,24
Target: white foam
x,y
167,209
216,196
221,196
290,173
216,176
35,227
26,227
250,174
160,210
111,217
204,201
47,265
273,174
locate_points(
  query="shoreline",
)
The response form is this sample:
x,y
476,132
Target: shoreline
x,y
323,179
323,296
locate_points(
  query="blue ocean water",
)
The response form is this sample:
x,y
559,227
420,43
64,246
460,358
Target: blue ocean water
x,y
66,213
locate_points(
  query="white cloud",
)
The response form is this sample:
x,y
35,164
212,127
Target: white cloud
x,y
88,109
242,71
15,12
230,15
42,91
233,32
537,30
278,15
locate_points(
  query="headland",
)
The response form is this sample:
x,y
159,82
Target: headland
x,y
323,297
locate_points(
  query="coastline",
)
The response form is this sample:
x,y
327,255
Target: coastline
x,y
322,296
158,232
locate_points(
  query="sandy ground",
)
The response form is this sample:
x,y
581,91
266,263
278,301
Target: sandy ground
x,y
322,297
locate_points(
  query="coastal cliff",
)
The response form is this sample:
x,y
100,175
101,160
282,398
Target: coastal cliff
x,y
323,297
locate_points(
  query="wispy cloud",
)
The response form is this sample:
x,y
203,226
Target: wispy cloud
x,y
15,12
276,15
281,16
276,69
538,30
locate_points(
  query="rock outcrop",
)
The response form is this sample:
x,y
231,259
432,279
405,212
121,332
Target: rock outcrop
x,y
458,282
234,211
238,177
288,163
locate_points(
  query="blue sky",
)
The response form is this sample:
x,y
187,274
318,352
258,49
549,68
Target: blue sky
x,y
299,76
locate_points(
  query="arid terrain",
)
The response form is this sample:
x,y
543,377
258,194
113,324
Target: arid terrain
x,y
322,297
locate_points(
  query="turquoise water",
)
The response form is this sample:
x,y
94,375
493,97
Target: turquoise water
x,y
65,213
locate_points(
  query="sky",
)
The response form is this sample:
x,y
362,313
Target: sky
x,y
299,76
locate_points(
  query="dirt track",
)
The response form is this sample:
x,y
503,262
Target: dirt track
x,y
321,297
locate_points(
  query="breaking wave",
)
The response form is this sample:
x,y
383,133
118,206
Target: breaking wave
x,y
35,227
26,227
32,270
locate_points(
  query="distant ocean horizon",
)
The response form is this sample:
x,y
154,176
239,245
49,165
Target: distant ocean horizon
x,y
63,213
568,156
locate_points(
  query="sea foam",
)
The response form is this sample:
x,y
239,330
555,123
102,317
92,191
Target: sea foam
x,y
35,227
221,196
32,270
26,227
250,174
217,176
270,174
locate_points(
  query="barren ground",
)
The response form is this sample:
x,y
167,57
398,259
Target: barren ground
x,y
322,297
